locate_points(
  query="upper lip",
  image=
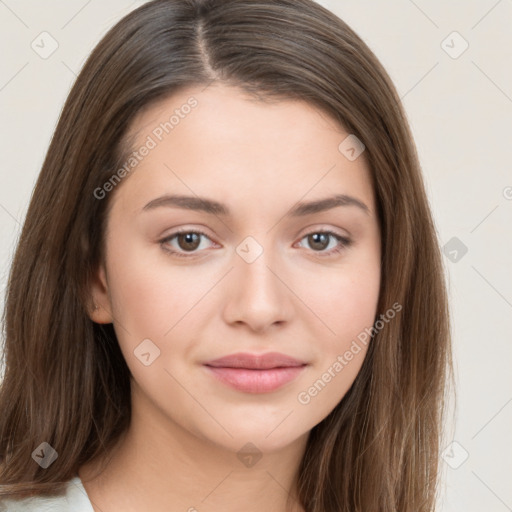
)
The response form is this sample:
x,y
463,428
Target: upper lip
x,y
256,361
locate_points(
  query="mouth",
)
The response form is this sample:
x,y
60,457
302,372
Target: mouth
x,y
256,373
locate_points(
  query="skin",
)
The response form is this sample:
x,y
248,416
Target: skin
x,y
259,159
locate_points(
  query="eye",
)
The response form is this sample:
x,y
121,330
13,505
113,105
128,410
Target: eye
x,y
320,240
188,241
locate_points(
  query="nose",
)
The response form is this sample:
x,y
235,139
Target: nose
x,y
258,295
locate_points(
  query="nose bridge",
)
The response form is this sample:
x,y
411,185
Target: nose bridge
x,y
255,265
259,297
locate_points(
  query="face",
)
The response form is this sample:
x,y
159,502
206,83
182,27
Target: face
x,y
259,266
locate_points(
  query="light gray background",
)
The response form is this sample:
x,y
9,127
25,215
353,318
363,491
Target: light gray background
x,y
460,110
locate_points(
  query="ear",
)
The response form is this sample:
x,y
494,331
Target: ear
x,y
100,311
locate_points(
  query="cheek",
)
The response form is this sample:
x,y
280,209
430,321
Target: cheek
x,y
347,309
149,295
343,301
151,304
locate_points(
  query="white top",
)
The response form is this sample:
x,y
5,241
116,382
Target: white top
x,y
75,499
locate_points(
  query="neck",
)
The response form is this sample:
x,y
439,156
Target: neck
x,y
159,465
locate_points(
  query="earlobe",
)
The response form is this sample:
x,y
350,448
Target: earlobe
x,y
100,315
100,309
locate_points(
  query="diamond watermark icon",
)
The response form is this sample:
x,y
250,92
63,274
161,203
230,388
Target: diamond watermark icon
x,y
454,45
146,352
44,45
455,455
249,249
45,455
454,249
351,147
249,455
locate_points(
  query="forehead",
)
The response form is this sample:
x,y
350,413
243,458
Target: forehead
x,y
220,142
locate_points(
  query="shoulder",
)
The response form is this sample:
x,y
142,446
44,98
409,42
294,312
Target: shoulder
x,y
43,504
74,500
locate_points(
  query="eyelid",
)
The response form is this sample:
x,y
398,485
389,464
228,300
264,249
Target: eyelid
x,y
323,228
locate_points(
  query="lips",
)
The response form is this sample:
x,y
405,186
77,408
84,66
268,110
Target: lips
x,y
256,362
256,373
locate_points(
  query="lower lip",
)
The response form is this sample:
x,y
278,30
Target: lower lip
x,y
256,381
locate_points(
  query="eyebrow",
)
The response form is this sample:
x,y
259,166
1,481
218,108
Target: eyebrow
x,y
210,206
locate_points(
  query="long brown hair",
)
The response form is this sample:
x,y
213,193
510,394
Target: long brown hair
x,y
66,382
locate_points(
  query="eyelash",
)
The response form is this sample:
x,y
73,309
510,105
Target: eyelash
x,y
344,242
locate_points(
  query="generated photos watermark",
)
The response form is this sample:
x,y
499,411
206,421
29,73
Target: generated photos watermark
x,y
151,142
304,397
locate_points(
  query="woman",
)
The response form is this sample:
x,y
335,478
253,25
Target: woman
x,y
228,279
